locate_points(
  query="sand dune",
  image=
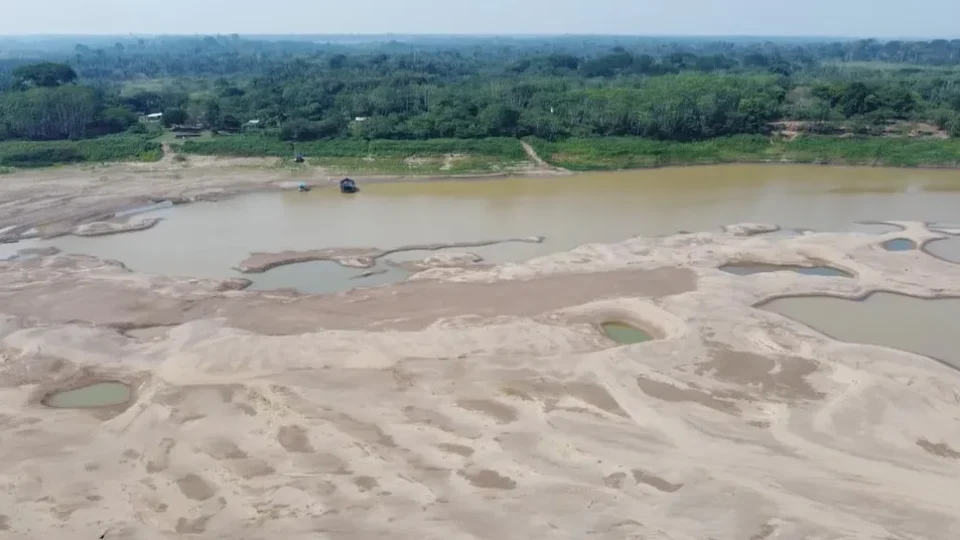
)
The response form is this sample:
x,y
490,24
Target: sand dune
x,y
479,403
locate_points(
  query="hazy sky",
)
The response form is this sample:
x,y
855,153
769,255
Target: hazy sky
x,y
854,18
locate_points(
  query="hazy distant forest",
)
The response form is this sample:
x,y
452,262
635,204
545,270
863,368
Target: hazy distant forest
x,y
258,91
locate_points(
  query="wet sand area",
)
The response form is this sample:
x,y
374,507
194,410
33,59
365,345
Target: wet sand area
x,y
464,400
495,393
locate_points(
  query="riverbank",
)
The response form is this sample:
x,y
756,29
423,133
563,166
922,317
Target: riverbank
x,y
114,148
494,156
615,153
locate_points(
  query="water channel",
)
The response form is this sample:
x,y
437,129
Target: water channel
x,y
206,239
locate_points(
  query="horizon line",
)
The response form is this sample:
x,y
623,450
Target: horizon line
x,y
476,35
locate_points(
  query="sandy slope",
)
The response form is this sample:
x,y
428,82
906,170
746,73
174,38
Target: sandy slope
x,y
480,403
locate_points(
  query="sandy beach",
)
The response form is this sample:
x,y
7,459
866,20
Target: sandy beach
x,y
466,402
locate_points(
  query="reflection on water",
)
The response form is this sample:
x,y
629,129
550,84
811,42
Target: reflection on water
x,y
926,327
206,239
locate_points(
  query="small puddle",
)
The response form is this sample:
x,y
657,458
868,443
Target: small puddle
x,y
624,334
101,394
921,326
947,249
750,269
900,244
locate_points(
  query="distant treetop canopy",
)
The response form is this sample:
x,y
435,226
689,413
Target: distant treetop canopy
x,y
420,87
46,74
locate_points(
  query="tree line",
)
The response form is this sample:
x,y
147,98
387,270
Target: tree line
x,y
550,88
43,103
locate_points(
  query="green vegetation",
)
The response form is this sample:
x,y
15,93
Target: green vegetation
x,y
457,104
612,153
260,145
104,149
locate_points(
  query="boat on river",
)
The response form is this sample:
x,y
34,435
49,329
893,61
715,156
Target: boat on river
x,y
348,186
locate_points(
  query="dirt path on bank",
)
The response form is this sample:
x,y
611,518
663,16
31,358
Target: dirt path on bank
x,y
540,163
168,153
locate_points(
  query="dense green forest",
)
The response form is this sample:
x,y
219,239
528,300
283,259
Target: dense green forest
x,y
263,93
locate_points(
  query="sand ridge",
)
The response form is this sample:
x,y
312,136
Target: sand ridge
x,y
481,403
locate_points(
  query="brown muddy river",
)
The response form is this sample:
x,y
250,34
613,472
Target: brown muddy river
x,y
206,239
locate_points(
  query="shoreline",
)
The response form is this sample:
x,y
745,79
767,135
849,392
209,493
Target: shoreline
x,y
191,183
593,154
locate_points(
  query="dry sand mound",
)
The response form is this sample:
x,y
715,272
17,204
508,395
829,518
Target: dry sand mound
x,y
479,403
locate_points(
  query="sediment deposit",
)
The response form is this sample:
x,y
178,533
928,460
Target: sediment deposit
x,y
481,403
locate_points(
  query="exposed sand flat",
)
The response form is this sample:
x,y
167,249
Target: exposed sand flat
x,y
480,403
356,257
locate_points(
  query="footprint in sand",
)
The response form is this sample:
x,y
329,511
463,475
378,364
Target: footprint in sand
x,y
195,488
294,439
488,479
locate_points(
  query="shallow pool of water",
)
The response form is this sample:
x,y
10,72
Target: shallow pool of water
x,y
10,249
625,334
948,249
206,239
101,394
900,244
750,269
926,327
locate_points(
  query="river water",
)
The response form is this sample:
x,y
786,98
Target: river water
x,y
206,239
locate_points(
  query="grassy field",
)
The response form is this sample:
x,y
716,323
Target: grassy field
x,y
357,156
629,153
23,154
